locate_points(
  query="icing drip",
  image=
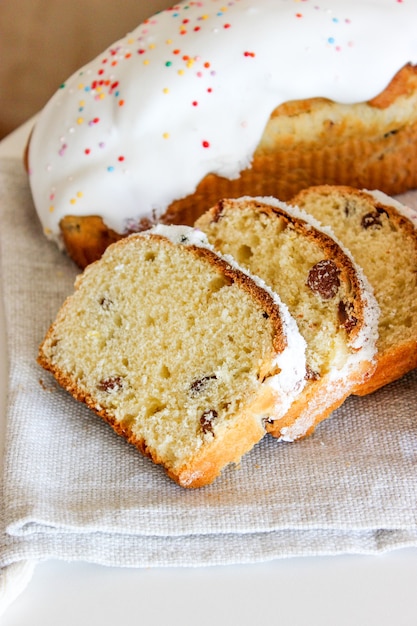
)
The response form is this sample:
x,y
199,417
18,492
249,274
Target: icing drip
x,y
189,92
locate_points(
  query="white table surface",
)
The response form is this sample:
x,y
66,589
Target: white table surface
x,y
331,591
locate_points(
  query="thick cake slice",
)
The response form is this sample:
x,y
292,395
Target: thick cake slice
x,y
179,350
323,289
381,234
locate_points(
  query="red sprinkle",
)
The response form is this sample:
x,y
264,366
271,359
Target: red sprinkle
x,y
249,54
206,144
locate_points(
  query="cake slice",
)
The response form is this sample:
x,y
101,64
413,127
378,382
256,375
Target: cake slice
x,y
178,349
324,290
382,236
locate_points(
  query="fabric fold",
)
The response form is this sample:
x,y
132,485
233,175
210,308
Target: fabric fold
x,y
73,490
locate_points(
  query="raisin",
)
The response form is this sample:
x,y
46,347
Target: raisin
x,y
349,208
346,318
311,374
206,421
373,219
111,384
323,279
200,384
106,303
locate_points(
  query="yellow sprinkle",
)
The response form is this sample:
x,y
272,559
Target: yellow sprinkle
x,y
51,208
146,62
152,46
81,86
168,41
130,41
204,17
102,96
47,231
82,103
190,63
80,120
165,135
180,72
73,201
165,90
79,194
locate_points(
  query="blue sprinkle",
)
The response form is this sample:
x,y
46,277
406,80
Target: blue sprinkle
x,y
110,168
331,40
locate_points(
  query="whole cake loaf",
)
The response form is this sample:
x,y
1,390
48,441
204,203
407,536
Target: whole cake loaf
x,y
181,351
323,288
205,101
381,233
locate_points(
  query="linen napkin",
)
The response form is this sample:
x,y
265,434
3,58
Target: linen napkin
x,y
74,490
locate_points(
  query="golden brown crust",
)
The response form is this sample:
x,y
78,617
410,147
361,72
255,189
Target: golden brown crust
x,y
403,84
342,148
86,238
317,403
390,366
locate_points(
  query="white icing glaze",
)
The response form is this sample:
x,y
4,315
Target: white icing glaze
x,y
291,362
189,92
